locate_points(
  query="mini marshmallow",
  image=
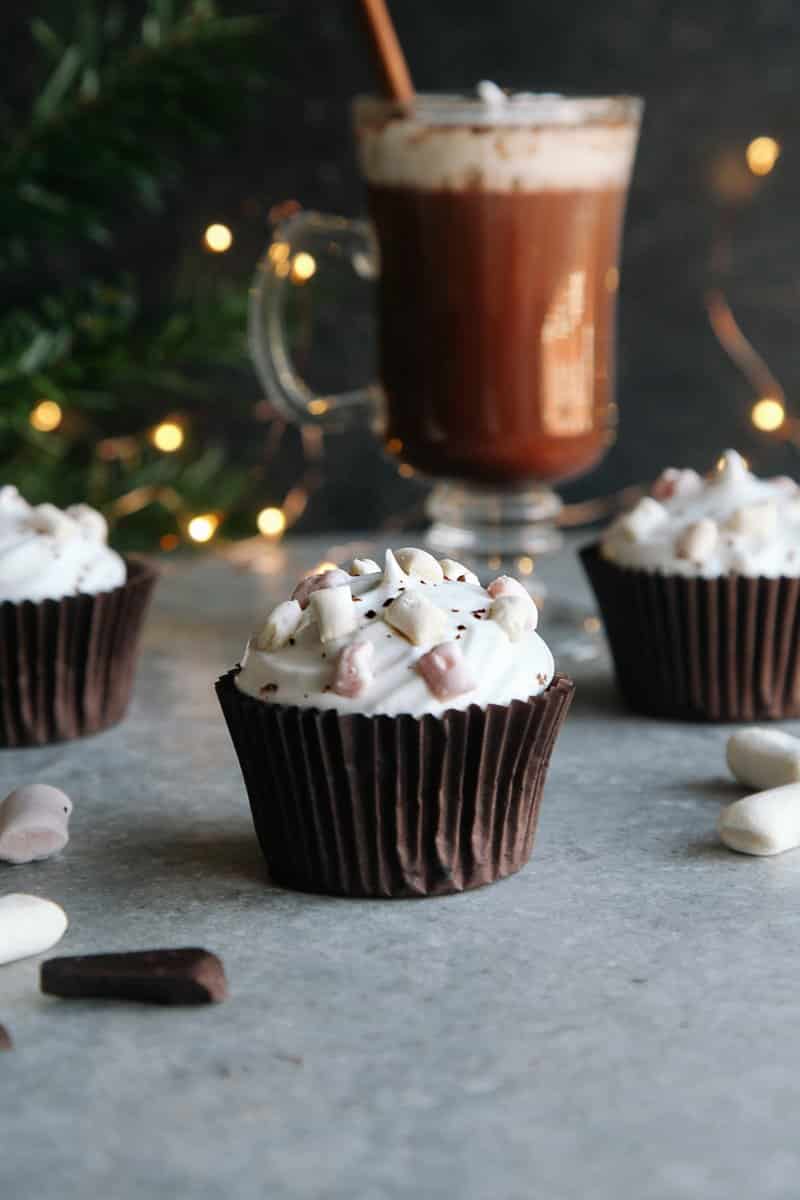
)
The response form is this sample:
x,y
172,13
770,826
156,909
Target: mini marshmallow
x,y
505,585
364,566
314,583
46,518
393,574
11,501
419,564
455,572
446,672
92,522
280,625
643,519
731,469
764,823
28,925
415,617
491,95
698,541
515,616
334,611
354,669
677,483
764,758
761,519
34,823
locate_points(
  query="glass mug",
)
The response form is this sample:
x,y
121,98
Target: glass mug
x,y
495,240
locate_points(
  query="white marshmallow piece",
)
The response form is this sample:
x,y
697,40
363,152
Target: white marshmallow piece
x,y
34,823
364,566
393,574
515,616
46,518
28,925
354,671
314,583
446,672
731,469
698,541
764,758
765,823
419,564
640,522
415,617
758,519
92,522
676,483
455,572
491,95
334,611
506,585
11,501
280,625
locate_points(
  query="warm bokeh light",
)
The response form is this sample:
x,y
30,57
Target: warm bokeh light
x,y
394,446
494,562
46,416
762,154
406,471
271,522
768,414
218,238
592,624
325,565
203,528
167,437
303,267
169,541
525,565
278,252
318,408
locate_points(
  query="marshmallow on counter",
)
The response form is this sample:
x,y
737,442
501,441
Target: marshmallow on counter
x,y
334,611
354,671
643,519
515,616
419,564
760,519
415,617
28,925
678,483
314,583
280,625
698,541
364,566
764,823
34,823
446,671
764,758
455,572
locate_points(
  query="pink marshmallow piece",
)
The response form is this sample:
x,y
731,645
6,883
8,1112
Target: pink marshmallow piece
x,y
313,583
674,482
504,585
354,669
445,671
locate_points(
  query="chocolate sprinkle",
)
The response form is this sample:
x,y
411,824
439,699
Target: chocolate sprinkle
x,y
461,627
370,614
268,687
386,603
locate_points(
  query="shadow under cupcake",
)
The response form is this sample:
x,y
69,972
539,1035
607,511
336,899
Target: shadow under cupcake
x,y
394,730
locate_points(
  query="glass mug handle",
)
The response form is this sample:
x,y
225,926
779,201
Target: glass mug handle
x,y
299,246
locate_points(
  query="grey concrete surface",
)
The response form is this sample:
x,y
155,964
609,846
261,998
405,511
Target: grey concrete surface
x,y
620,1020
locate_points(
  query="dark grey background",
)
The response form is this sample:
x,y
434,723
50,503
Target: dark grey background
x,y
714,75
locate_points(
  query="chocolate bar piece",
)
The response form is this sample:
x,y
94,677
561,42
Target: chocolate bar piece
x,y
5,1039
185,976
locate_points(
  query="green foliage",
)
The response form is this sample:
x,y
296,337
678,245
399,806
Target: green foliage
x,y
117,111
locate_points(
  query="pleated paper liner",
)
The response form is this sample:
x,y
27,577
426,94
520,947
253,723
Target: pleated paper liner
x,y
67,666
725,649
394,806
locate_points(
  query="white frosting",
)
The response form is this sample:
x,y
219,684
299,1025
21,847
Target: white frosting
x,y
46,554
301,672
729,522
525,143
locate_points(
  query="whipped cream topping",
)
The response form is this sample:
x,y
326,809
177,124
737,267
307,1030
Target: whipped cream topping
x,y
47,553
728,522
420,643
524,142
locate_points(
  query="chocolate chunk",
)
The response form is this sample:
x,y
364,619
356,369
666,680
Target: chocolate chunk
x,y
370,614
462,627
268,687
185,976
5,1039
386,603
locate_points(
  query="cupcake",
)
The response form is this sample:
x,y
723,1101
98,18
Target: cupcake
x,y
70,614
698,588
394,729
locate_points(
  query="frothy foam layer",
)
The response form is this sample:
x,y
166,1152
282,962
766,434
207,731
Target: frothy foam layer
x,y
540,143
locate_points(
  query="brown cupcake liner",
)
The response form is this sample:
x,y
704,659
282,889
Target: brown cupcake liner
x,y
725,649
67,666
394,806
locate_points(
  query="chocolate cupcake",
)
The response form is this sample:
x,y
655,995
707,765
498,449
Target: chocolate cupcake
x,y
394,729
71,610
698,588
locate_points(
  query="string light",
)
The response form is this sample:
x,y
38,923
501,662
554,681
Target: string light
x,y
271,522
304,266
762,154
278,252
167,437
406,470
525,565
318,408
218,238
169,541
46,416
203,528
768,414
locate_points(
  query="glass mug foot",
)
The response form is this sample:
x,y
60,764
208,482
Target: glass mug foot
x,y
493,525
